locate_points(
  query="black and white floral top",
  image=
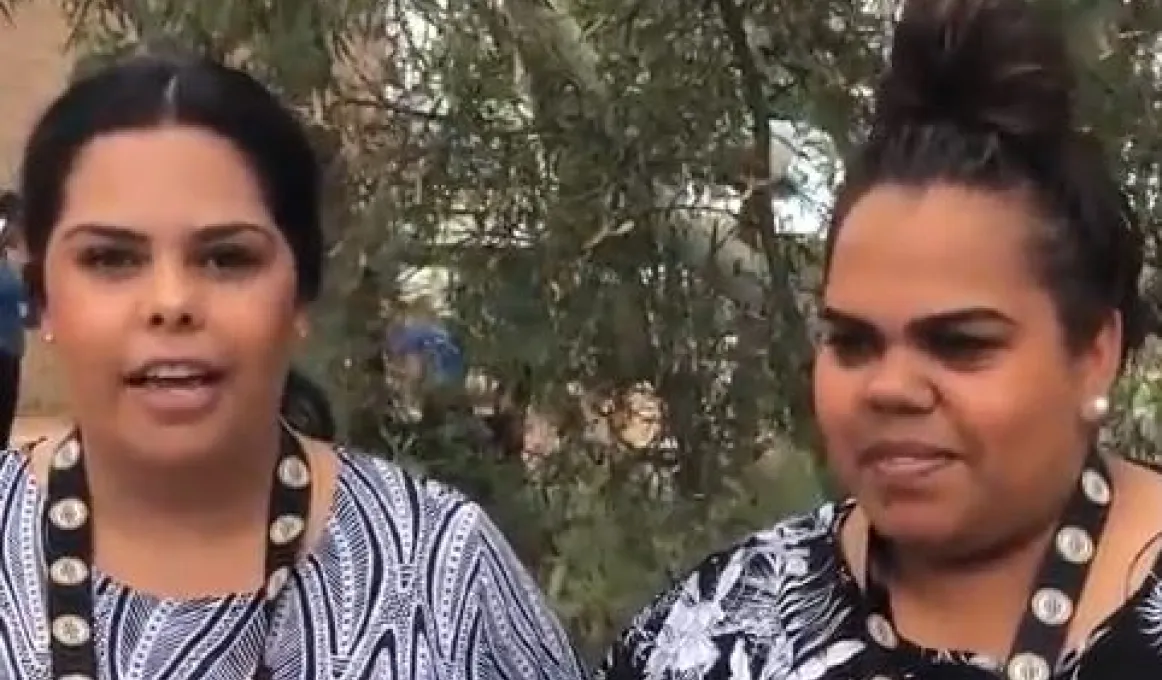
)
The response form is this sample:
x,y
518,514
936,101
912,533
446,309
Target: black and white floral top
x,y
784,605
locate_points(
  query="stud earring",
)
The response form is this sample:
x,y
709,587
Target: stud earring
x,y
48,337
1097,409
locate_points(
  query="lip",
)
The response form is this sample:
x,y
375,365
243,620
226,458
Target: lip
x,y
176,404
199,365
905,461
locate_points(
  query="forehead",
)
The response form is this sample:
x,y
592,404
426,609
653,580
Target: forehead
x,y
903,253
162,180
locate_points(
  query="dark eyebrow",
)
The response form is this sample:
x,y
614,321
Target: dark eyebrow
x,y
205,234
954,317
959,317
222,232
106,231
837,317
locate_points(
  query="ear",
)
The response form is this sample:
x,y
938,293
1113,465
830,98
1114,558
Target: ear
x,y
302,325
1102,358
40,322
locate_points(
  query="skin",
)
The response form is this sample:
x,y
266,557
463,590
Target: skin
x,y
165,247
938,332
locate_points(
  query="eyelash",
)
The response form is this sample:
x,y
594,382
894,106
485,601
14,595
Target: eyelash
x,y
236,257
851,347
117,260
107,257
960,349
963,343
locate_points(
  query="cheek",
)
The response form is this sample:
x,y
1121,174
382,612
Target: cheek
x,y
835,402
88,331
259,323
86,322
1011,421
262,327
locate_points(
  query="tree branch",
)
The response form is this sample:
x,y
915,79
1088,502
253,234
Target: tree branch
x,y
559,61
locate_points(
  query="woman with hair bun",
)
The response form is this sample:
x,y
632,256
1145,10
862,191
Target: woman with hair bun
x,y
980,299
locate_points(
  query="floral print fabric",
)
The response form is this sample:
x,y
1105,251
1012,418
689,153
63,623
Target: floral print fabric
x,y
783,605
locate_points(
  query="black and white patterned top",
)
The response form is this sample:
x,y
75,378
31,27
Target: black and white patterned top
x,y
784,605
410,581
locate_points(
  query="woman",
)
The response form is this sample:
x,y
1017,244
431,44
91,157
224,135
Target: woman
x,y
172,226
980,299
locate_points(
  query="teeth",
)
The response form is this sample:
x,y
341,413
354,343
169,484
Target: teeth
x,y
173,373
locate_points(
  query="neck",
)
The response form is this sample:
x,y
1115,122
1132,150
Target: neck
x,y
992,584
217,496
1004,574
1010,565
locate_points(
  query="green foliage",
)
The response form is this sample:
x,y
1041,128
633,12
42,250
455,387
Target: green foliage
x,y
553,159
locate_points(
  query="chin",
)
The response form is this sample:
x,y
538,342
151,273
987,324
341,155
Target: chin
x,y
172,450
927,526
176,443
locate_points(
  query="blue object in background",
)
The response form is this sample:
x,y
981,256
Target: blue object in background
x,y
13,310
443,358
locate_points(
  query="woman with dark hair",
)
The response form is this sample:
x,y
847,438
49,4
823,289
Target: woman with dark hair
x,y
980,299
185,529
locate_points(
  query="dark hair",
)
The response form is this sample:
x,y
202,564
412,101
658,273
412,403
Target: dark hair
x,y
146,91
306,408
981,93
9,204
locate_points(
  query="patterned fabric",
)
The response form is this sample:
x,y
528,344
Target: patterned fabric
x,y
784,605
410,581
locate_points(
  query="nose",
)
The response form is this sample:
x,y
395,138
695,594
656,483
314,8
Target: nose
x,y
897,383
172,300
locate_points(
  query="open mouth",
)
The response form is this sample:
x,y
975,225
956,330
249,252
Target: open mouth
x,y
174,375
176,391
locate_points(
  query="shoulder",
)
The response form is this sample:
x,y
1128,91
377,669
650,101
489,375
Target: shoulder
x,y
407,516
373,479
791,551
443,549
379,485
17,469
19,525
751,589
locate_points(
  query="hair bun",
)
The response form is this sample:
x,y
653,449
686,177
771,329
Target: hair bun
x,y
996,66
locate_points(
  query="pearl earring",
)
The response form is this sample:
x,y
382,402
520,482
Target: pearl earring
x,y
1097,409
48,337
